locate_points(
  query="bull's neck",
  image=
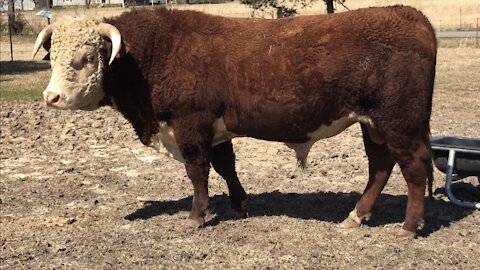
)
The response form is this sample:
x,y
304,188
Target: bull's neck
x,y
128,92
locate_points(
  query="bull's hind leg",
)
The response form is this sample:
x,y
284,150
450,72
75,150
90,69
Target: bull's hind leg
x,y
415,164
223,161
380,165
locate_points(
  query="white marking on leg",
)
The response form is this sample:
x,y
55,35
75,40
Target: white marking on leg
x,y
354,220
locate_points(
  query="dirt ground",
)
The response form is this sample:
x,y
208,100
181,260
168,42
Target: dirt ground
x,y
79,191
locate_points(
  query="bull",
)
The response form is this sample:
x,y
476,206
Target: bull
x,y
191,82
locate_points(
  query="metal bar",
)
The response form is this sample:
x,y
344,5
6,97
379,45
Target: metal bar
x,y
448,184
456,34
470,151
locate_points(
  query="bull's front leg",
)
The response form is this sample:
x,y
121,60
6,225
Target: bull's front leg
x,y
198,174
194,139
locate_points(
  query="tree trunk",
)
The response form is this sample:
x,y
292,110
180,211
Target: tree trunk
x,y
329,6
11,11
279,12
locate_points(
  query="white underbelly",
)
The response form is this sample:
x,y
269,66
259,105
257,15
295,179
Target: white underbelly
x,y
326,131
166,138
337,126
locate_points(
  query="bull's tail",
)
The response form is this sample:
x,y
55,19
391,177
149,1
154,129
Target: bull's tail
x,y
430,180
429,162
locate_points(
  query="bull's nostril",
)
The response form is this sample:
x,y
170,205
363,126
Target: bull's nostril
x,y
52,98
55,99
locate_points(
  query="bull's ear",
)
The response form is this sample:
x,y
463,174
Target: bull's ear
x,y
108,49
47,44
42,38
110,32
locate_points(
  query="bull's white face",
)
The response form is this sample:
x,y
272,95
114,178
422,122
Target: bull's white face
x,y
77,62
76,81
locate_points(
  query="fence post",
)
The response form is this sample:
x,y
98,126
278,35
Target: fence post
x,y
279,12
11,20
460,26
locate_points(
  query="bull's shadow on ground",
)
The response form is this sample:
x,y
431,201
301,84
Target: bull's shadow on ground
x,y
323,206
19,67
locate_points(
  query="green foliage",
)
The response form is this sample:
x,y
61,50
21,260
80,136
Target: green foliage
x,y
288,8
20,95
287,11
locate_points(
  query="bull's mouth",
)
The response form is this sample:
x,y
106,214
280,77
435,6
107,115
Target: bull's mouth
x,y
83,107
55,106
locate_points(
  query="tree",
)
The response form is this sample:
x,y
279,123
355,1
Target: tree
x,y
42,4
329,4
288,8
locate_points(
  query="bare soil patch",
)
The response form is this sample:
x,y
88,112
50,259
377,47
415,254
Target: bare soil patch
x,y
79,191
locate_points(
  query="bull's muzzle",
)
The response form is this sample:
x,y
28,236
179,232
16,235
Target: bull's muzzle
x,y
52,99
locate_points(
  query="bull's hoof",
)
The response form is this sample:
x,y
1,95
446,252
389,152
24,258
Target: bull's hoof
x,y
239,212
349,223
404,234
235,214
192,225
353,220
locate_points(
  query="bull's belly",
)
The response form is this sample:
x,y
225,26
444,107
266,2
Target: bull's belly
x,y
166,137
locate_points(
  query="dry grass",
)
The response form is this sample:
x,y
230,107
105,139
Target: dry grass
x,y
444,14
457,96
30,77
22,78
38,23
467,42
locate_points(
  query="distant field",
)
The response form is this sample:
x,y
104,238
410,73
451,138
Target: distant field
x,y
22,78
444,14
27,78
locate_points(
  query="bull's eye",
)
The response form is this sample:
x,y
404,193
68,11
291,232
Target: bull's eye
x,y
89,59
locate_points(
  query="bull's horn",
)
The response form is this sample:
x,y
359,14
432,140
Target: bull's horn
x,y
110,31
43,36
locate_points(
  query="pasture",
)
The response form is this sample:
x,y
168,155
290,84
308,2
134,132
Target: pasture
x,y
79,191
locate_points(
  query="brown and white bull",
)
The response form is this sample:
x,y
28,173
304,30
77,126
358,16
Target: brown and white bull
x,y
193,81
